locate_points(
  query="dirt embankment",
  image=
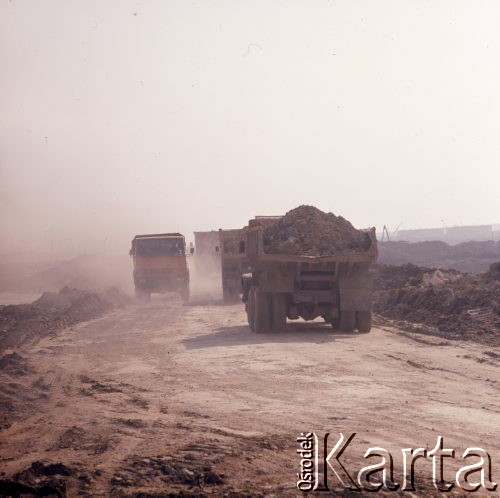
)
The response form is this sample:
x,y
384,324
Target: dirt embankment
x,y
309,231
52,312
25,324
446,303
473,256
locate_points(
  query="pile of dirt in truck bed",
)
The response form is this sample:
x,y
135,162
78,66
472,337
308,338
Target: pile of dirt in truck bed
x,y
53,311
446,303
309,231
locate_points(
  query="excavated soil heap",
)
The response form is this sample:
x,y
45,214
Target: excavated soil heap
x,y
309,231
53,311
446,303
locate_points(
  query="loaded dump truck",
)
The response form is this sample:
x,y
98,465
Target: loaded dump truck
x,y
160,264
309,275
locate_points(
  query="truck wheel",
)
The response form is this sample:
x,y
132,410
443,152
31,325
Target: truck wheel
x,y
262,318
364,321
278,320
250,308
347,321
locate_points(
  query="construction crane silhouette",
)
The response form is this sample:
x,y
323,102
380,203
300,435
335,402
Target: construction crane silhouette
x,y
385,232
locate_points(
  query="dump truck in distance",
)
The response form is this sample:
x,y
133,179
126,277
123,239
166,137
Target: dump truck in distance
x,y
233,262
160,264
207,258
336,287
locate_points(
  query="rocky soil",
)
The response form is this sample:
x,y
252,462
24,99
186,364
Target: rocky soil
x,y
447,303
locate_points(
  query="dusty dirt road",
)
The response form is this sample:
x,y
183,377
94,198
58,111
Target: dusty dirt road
x,y
165,398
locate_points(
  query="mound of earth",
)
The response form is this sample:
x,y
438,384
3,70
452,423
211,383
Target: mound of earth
x,y
309,231
53,311
447,303
39,479
396,277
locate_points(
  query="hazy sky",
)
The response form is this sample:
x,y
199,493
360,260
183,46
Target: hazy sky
x,y
126,117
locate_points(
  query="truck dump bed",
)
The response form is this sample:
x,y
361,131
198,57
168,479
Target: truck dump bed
x,y
256,255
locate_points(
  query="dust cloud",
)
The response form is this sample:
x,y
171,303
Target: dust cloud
x,y
205,279
89,271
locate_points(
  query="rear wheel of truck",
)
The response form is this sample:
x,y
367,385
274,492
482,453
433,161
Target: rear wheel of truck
x,y
364,321
250,308
278,319
347,322
262,317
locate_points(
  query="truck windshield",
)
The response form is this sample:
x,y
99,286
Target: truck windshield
x,y
159,247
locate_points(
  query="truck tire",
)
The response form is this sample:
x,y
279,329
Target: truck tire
x,y
262,317
347,321
250,308
278,319
364,321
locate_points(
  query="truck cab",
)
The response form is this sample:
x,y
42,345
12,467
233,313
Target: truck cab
x,y
160,265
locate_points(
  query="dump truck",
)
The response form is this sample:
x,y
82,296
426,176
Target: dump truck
x,y
160,264
207,258
336,287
